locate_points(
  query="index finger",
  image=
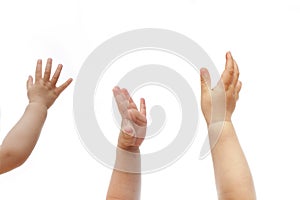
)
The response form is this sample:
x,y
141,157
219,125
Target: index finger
x,y
127,95
121,100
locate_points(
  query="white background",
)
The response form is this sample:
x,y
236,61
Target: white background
x,y
262,35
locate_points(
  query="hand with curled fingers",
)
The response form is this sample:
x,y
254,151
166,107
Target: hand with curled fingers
x,y
218,104
44,91
134,121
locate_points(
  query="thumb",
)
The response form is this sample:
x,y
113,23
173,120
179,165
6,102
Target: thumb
x,y
205,80
29,82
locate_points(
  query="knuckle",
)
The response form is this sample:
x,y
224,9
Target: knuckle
x,y
203,81
231,71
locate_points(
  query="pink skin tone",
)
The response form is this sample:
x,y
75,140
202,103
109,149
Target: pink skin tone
x,y
22,138
126,184
232,174
130,114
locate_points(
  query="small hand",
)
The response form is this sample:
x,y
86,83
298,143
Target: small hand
x,y
44,91
134,122
219,103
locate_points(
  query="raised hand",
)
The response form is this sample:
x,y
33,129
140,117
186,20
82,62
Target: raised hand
x,y
232,173
44,91
22,138
218,104
134,121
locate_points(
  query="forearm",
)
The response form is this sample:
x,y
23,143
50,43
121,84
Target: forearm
x,y
125,182
20,141
232,174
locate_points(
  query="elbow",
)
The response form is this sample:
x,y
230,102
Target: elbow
x,y
113,198
245,195
110,197
10,160
236,189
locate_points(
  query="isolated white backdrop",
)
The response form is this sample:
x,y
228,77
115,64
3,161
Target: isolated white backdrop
x,y
263,37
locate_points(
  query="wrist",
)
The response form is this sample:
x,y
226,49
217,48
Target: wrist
x,y
221,129
217,116
127,141
127,161
218,123
132,149
37,105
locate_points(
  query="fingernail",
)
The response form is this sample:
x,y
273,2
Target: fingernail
x,y
115,88
203,73
228,54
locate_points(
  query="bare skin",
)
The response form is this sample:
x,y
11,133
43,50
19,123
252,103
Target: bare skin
x,y
232,174
126,177
22,138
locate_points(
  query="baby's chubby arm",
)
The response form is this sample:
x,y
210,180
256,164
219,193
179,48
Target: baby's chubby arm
x,y
126,177
232,174
22,138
